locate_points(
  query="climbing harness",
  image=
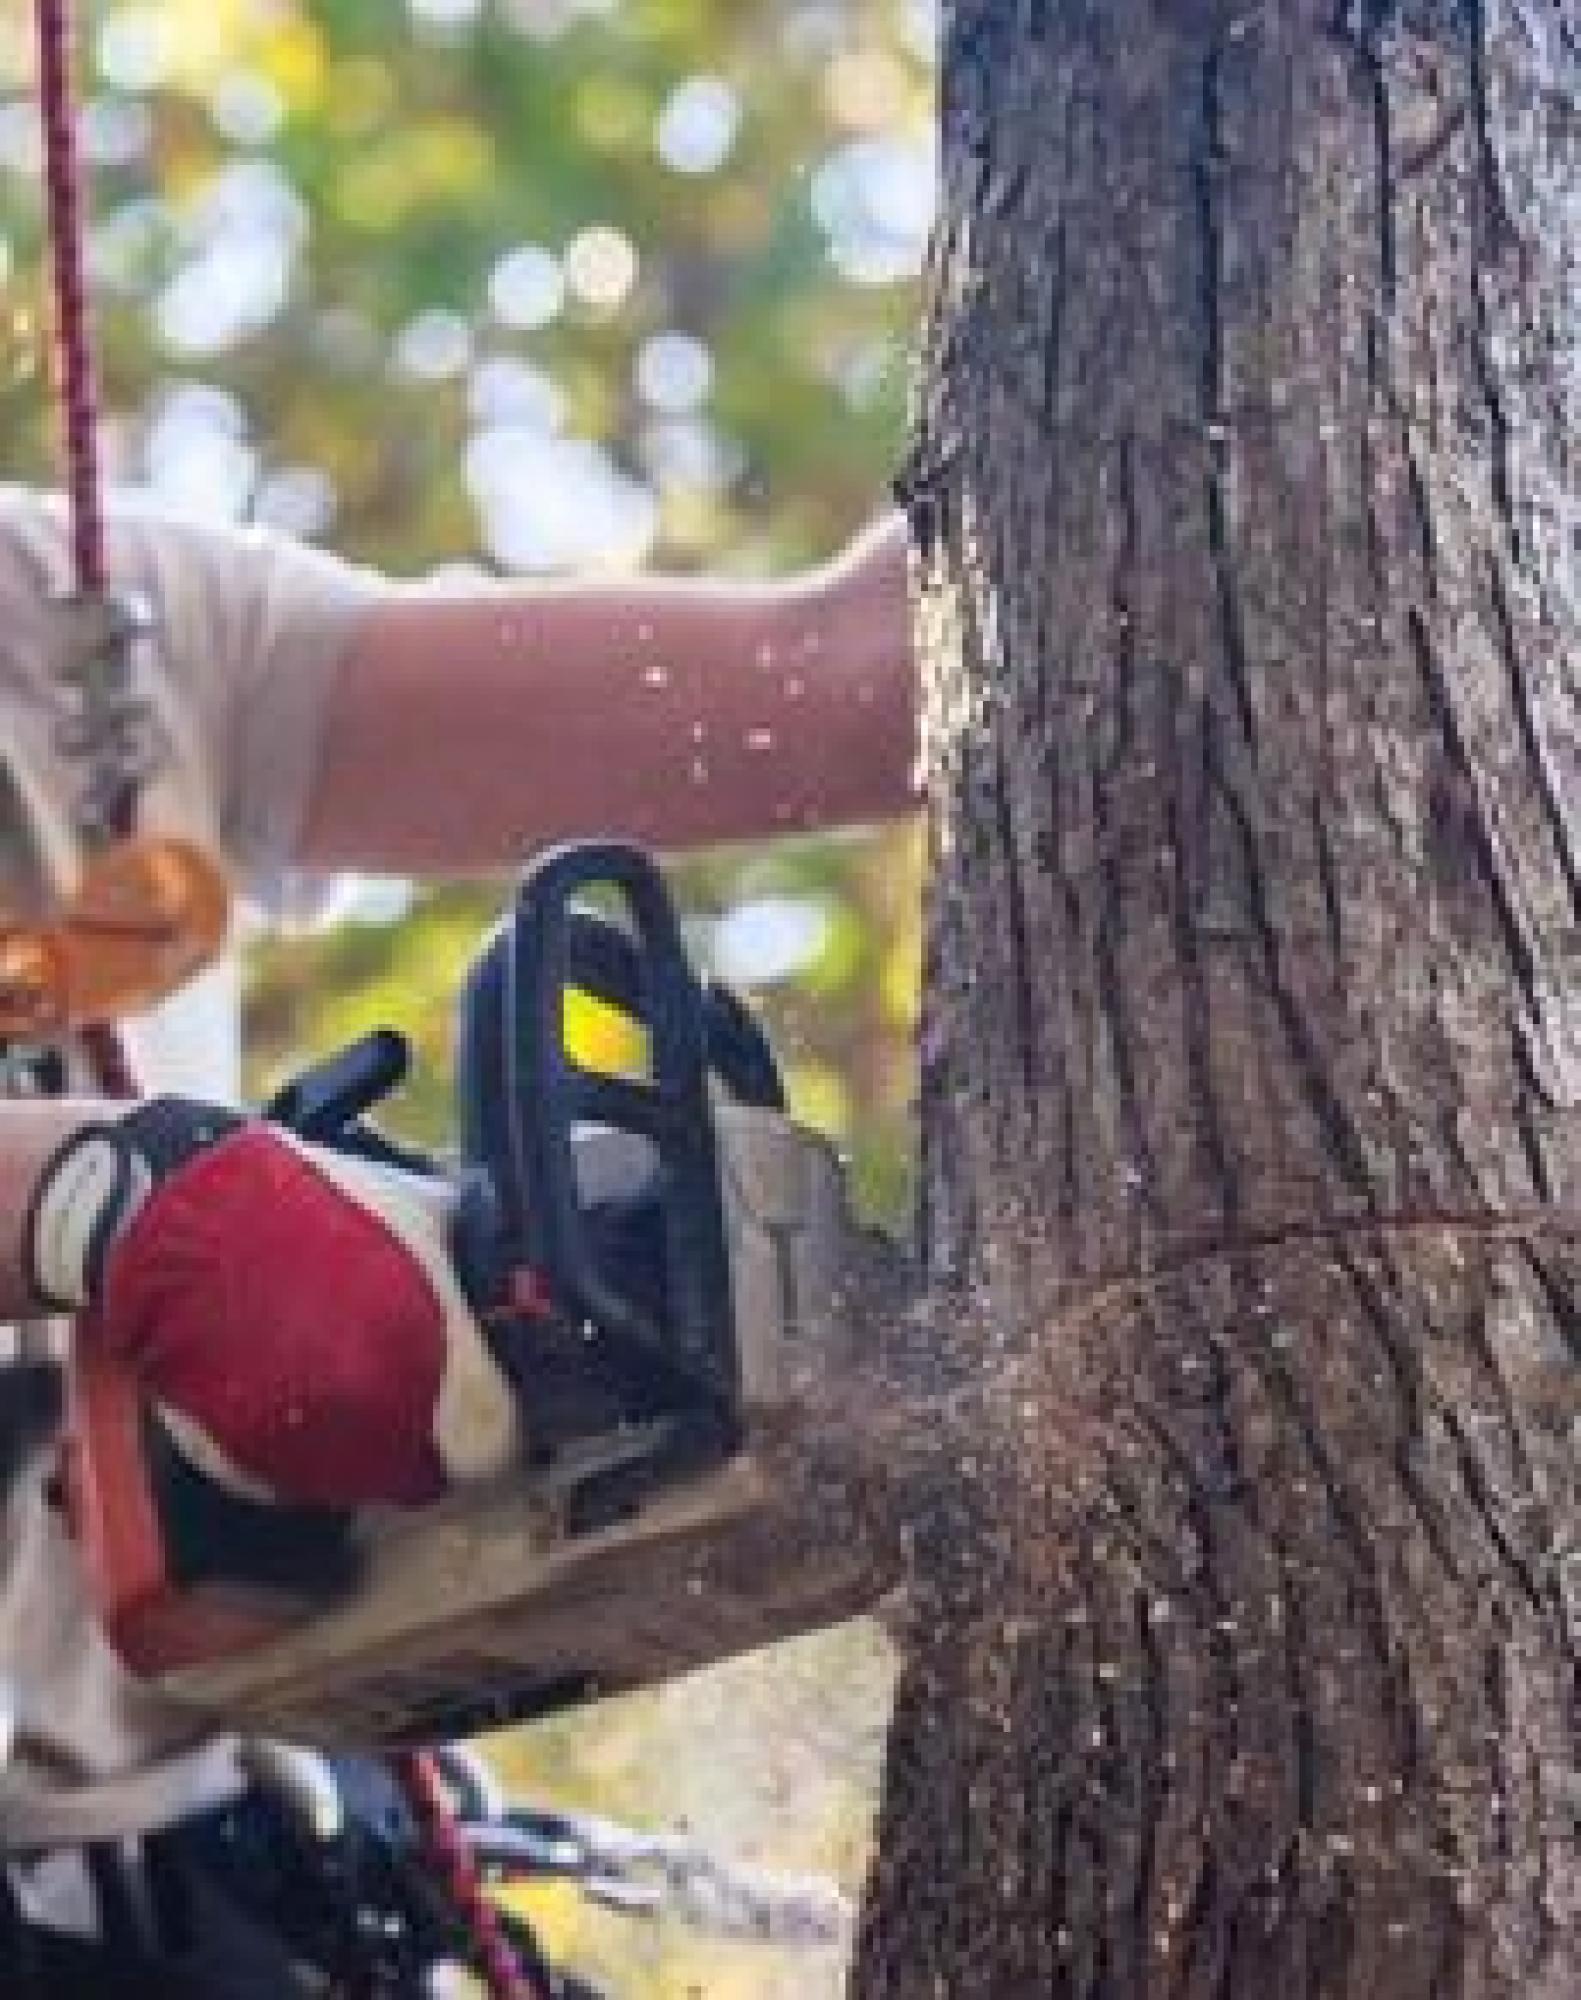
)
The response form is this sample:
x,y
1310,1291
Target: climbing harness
x,y
148,912
322,1857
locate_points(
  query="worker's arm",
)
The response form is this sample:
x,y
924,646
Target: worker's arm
x,y
466,727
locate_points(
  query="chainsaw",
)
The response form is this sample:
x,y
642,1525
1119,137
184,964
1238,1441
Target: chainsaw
x,y
666,1265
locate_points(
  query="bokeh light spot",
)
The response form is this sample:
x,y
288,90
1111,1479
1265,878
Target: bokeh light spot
x,y
674,372
527,287
601,267
697,128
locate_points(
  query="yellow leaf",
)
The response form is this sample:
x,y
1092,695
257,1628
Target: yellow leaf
x,y
441,160
361,95
293,57
610,113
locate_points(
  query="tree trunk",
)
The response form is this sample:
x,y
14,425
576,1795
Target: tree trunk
x,y
1245,1650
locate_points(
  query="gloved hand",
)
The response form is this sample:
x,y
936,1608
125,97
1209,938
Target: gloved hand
x,y
293,1310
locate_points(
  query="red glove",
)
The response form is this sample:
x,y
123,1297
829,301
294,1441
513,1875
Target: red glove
x,y
292,1310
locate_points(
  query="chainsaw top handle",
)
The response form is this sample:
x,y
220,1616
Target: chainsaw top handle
x,y
527,1102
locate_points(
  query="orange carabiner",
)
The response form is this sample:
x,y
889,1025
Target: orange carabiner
x,y
148,914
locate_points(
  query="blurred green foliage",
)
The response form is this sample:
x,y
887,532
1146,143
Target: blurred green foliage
x,y
522,285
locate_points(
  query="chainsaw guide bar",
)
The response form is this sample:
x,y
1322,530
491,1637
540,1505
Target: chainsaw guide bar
x,y
466,1623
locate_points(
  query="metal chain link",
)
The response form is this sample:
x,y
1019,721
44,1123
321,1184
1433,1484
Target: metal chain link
x,y
109,734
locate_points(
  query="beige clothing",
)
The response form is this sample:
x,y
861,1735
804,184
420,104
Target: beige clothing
x,y
250,629
248,635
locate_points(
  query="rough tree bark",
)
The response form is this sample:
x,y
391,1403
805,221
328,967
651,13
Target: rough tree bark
x,y
1245,1651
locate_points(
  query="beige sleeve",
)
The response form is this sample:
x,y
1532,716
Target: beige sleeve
x,y
250,630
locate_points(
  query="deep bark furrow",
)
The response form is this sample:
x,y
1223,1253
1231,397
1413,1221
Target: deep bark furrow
x,y
1539,767
1108,946
1110,1831
1200,1925
1393,1343
1205,1517
1343,1505
1478,1342
1501,485
1027,1040
1295,1663
1473,827
1531,1144
1064,905
1197,1030
1053,345
1343,1146
1494,1688
1152,1775
1207,168
1428,1514
1421,510
1499,227
1560,1299
1383,170
1390,1335
1475,1484
1328,882
1046,1836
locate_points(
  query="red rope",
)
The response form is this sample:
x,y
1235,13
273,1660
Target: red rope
x,y
76,381
451,1857
108,1059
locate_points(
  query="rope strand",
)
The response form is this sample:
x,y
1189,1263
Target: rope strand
x,y
451,1857
76,381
